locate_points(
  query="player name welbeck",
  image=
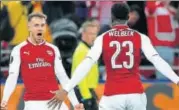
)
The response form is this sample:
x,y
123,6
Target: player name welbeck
x,y
121,33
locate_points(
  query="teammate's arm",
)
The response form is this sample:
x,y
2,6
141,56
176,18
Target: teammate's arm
x,y
84,67
63,78
80,72
11,81
79,56
157,61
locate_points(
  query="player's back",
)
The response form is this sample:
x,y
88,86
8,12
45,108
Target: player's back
x,y
121,54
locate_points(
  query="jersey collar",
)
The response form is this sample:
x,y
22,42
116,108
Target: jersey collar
x,y
42,43
120,26
86,44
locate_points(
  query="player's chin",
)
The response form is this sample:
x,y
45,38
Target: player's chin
x,y
39,39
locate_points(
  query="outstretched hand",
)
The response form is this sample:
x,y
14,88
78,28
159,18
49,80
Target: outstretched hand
x,y
79,107
3,105
59,97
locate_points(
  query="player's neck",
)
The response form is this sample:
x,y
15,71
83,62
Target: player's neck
x,y
85,41
119,22
33,41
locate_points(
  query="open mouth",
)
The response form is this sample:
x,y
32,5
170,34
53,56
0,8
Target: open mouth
x,y
39,34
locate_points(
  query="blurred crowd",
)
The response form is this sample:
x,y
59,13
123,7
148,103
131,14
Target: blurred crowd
x,y
157,19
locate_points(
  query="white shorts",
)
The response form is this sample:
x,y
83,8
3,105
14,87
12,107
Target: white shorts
x,y
124,102
42,105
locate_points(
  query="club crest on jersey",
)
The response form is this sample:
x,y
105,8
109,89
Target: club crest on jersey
x,y
49,52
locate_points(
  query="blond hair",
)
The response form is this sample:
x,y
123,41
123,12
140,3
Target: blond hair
x,y
36,14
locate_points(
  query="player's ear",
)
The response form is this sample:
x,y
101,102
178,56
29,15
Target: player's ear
x,y
28,25
128,16
112,18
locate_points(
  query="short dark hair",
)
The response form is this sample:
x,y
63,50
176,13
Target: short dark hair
x,y
135,8
120,11
36,14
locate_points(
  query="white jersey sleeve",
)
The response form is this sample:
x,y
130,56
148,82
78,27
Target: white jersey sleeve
x,y
62,76
96,49
14,67
161,65
82,70
147,47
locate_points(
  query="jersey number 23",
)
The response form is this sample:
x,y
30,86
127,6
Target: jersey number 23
x,y
119,45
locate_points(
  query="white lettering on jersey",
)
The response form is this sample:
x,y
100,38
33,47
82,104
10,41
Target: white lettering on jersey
x,y
119,47
39,63
116,33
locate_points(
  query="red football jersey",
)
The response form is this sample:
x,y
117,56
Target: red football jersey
x,y
121,55
37,70
121,48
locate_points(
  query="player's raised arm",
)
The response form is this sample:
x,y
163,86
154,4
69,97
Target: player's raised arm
x,y
11,81
62,76
157,61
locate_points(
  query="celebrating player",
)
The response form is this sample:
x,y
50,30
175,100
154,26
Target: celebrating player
x,y
120,48
38,62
